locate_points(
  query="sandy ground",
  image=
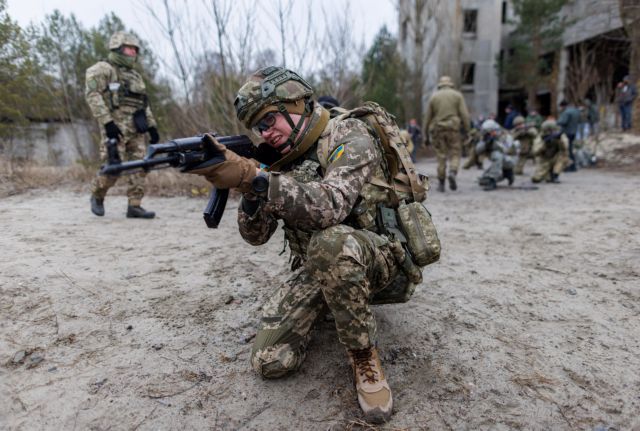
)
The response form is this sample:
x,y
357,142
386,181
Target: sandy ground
x,y
529,320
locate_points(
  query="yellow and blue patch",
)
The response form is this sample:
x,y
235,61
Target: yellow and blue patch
x,y
337,153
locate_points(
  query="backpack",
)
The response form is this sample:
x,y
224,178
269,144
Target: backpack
x,y
402,175
409,220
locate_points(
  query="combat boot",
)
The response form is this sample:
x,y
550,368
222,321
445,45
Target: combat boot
x,y
489,184
452,181
554,178
441,185
97,206
139,212
508,174
374,394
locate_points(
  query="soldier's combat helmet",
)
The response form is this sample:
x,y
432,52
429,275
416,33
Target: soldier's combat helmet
x,y
120,38
490,126
518,120
445,81
272,89
549,126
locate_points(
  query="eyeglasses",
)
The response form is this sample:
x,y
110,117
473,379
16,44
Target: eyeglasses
x,y
265,123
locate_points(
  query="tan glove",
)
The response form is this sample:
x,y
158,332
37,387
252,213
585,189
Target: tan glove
x,y
234,172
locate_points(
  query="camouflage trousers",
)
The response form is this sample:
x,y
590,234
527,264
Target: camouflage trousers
x,y
448,146
499,163
131,149
345,267
545,167
474,159
522,160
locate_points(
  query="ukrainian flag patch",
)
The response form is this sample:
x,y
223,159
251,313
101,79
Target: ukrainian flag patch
x,y
337,153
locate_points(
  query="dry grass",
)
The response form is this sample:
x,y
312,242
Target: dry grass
x,y
19,177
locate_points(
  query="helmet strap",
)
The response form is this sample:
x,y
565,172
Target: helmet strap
x,y
295,128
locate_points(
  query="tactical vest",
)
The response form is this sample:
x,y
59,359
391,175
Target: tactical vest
x,y
394,180
127,91
551,148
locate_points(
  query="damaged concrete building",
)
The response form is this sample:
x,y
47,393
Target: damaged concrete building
x,y
466,38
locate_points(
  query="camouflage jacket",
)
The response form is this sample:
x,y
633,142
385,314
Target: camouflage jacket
x,y
548,147
114,93
447,110
308,198
526,136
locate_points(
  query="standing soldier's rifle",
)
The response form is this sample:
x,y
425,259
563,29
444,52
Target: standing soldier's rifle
x,y
185,153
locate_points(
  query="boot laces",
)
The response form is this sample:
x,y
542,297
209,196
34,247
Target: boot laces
x,y
364,365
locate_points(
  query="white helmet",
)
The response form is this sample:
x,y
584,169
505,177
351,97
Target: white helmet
x,y
490,126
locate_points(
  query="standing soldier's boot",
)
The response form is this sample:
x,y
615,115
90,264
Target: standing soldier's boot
x,y
138,212
441,185
97,206
452,181
374,394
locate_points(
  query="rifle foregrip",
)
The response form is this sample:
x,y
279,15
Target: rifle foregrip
x,y
215,207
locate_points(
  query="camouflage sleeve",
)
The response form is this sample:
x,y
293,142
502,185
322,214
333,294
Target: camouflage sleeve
x,y
427,118
564,145
464,114
96,81
151,120
353,157
256,229
538,146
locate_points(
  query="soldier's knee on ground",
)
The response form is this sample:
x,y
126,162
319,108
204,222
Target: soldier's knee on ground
x,y
272,358
275,362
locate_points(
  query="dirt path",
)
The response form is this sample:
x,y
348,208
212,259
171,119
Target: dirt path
x,y
529,321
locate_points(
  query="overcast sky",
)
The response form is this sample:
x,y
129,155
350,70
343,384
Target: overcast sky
x,y
369,15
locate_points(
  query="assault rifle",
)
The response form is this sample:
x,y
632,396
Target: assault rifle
x,y
185,153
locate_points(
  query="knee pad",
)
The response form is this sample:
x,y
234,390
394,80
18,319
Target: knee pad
x,y
277,361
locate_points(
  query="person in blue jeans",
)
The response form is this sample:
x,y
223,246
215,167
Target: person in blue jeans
x,y
626,93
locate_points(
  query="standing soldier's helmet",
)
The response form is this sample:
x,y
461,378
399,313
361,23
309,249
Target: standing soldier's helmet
x,y
120,38
445,81
272,89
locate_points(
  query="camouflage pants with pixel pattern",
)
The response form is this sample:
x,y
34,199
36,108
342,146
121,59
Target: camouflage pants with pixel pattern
x,y
131,149
345,267
545,167
448,146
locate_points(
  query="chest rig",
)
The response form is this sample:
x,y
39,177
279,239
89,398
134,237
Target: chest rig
x,y
126,90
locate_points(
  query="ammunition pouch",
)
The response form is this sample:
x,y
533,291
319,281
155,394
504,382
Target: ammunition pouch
x,y
411,225
140,121
418,228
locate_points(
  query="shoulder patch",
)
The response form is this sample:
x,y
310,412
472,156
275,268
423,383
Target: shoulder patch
x,y
337,153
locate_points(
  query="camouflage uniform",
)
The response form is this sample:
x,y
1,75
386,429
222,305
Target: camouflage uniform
x,y
499,149
329,224
446,115
115,91
551,151
525,135
474,159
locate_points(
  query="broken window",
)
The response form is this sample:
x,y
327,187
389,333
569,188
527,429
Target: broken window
x,y
468,73
470,21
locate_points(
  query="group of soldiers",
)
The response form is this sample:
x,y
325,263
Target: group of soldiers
x,y
447,120
344,190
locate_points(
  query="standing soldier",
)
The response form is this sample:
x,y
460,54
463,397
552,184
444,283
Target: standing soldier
x,y
524,133
447,114
551,152
118,100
